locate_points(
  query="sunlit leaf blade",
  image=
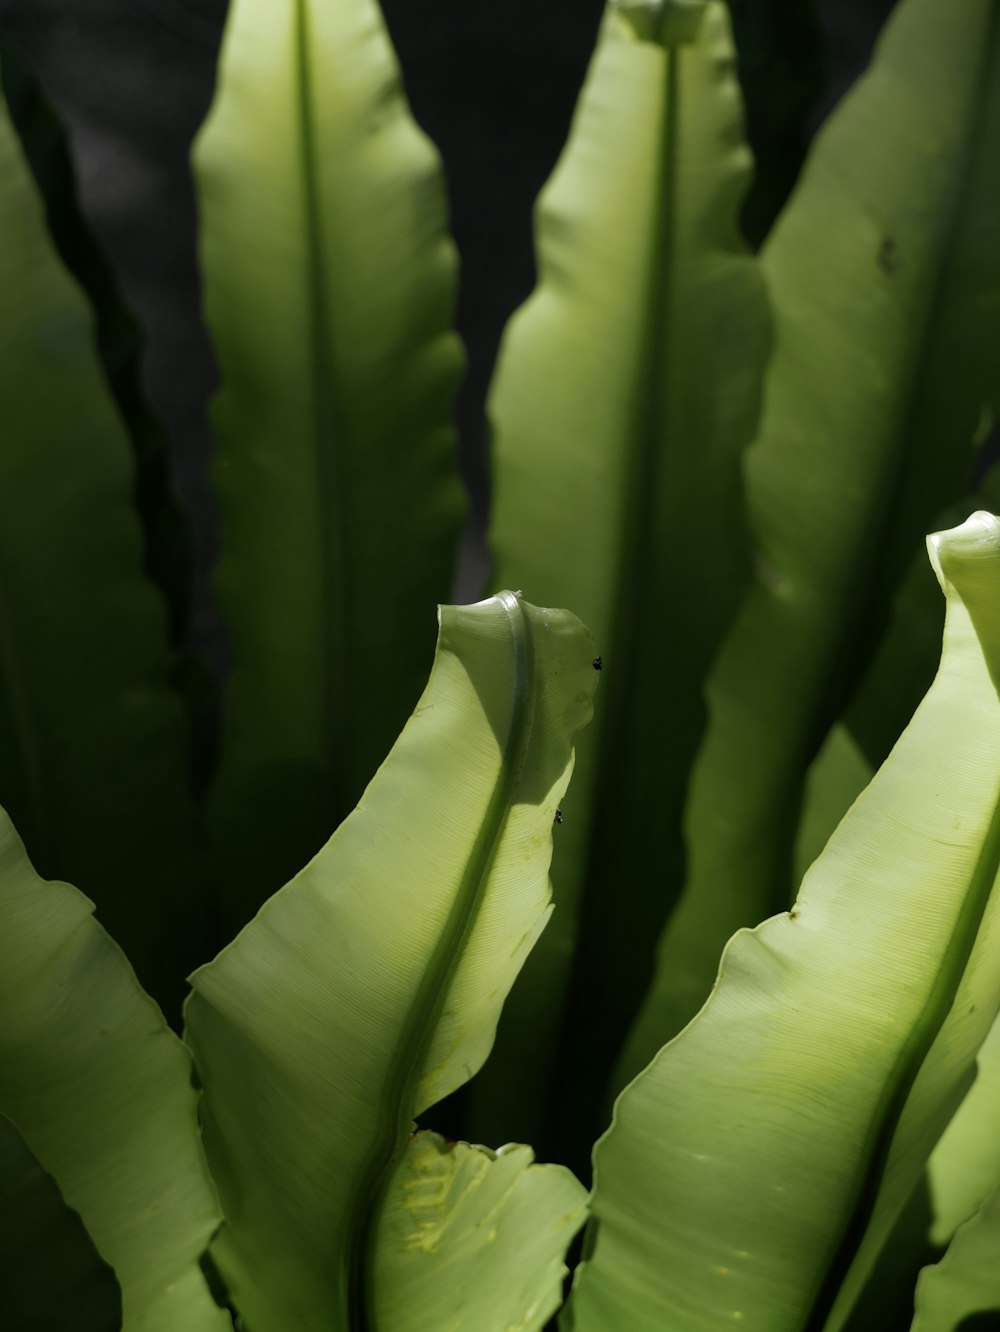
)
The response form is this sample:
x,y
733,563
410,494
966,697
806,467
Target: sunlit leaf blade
x,y
753,1171
93,746
51,1276
473,1241
101,1091
625,391
961,1293
369,987
329,285
899,675
885,276
965,1161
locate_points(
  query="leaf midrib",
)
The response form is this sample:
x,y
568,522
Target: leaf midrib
x,y
327,435
652,405
912,1056
954,962
417,1033
881,544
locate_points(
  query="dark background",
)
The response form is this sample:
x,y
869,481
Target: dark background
x,y
493,84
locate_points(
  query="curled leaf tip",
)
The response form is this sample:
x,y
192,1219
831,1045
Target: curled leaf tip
x,y
970,543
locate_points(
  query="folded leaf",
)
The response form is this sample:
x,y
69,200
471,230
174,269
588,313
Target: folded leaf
x,y
329,287
473,1240
51,1276
885,276
93,745
101,1090
754,1170
369,987
961,1293
625,391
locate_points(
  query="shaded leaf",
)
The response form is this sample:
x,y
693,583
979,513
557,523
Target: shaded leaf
x,y
93,745
782,64
168,556
51,1276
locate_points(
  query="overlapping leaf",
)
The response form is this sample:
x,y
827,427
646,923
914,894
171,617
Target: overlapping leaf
x,y
473,1240
885,276
625,391
370,986
101,1091
51,1276
329,281
93,746
754,1170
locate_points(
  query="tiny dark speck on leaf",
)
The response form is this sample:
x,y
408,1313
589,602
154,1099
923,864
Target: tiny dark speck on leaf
x,y
597,663
559,816
888,256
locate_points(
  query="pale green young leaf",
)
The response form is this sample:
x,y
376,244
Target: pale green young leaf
x,y
473,1240
754,1170
369,987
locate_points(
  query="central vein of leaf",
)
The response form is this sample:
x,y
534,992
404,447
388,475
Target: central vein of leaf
x,y
914,1052
418,1032
328,434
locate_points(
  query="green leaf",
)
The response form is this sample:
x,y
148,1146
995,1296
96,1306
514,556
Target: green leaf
x,y
473,1240
51,1276
961,1293
966,1161
329,281
167,544
369,987
885,276
900,673
754,1170
101,1090
626,389
93,745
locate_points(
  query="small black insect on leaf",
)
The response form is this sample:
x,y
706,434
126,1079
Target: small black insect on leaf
x,y
558,818
597,663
